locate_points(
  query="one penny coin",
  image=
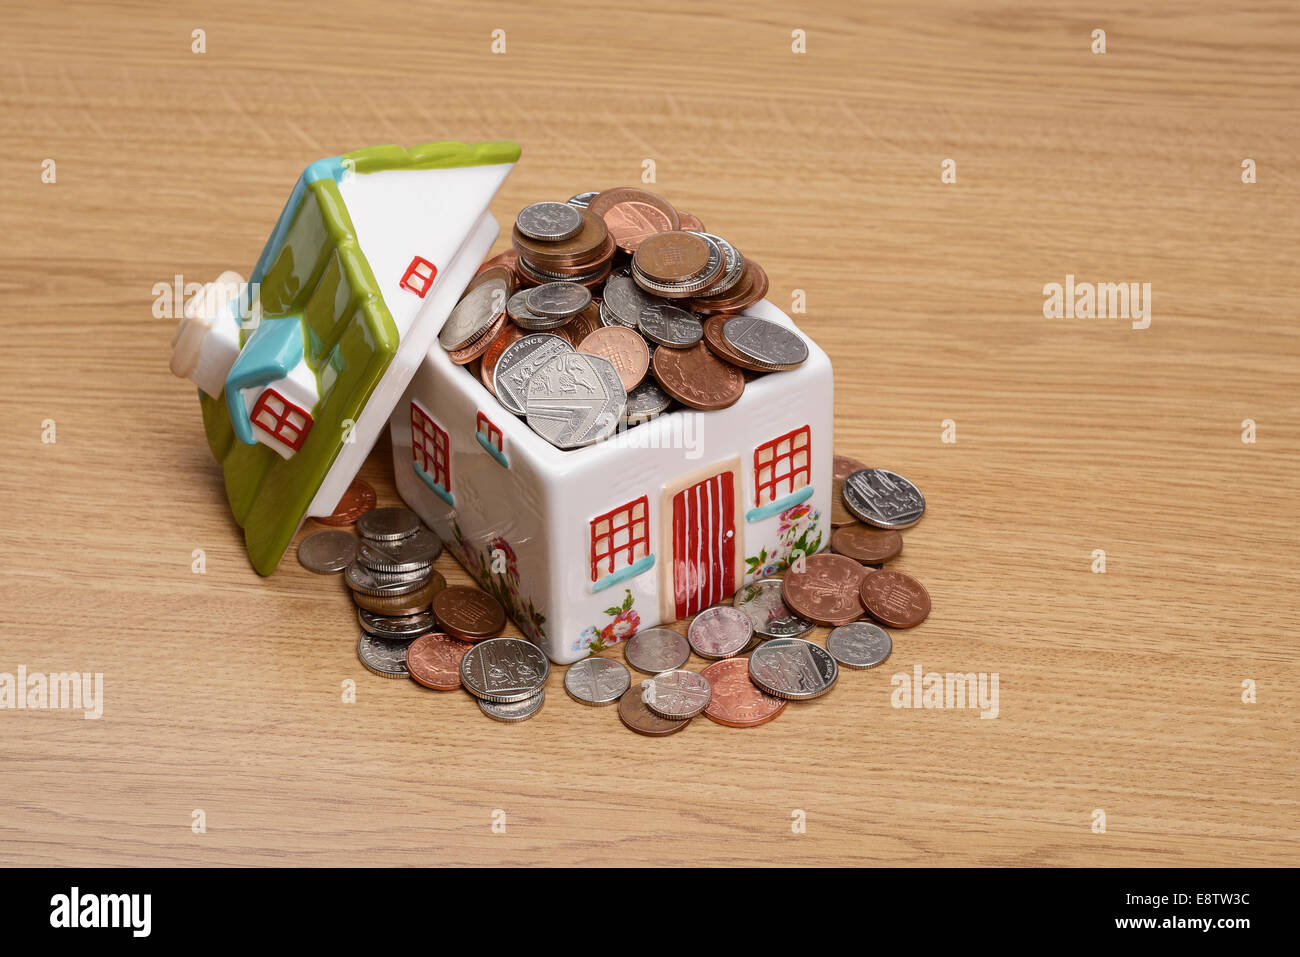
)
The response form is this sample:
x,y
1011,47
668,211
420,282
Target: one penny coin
x,y
434,661
697,378
623,347
673,257
841,468
356,501
895,599
633,215
632,711
870,546
469,614
827,591
737,702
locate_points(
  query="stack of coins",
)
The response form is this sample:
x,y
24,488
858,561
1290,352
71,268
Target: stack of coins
x,y
617,295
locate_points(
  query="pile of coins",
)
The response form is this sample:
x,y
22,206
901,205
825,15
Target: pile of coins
x,y
607,310
444,638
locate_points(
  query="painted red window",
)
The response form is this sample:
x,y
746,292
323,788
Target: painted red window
x,y
620,536
489,431
419,276
281,418
430,448
781,466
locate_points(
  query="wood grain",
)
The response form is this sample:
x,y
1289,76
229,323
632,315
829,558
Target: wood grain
x,y
1119,691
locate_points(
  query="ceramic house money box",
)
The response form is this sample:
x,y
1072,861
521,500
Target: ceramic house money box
x,y
335,334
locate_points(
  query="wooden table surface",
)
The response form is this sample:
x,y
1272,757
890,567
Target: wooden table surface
x,y
1120,692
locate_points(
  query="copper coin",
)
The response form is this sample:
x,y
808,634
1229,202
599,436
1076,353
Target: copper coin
x,y
895,599
508,335
841,468
633,215
410,604
508,258
482,344
470,614
827,591
673,257
356,501
634,713
624,348
580,326
697,378
737,702
591,243
690,221
867,545
434,661
507,274
718,345
749,289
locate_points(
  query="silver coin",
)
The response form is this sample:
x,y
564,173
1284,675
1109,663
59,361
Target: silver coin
x,y
596,681
883,498
670,326
386,657
792,668
678,694
525,318
720,632
762,602
558,300
575,400
396,626
625,300
385,584
656,650
329,551
549,222
541,274
474,314
645,402
733,267
512,711
504,669
404,555
519,362
764,342
388,524
859,644
582,200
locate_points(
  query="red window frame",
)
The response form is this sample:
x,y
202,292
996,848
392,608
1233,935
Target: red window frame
x,y
634,518
423,272
288,423
780,464
492,433
430,447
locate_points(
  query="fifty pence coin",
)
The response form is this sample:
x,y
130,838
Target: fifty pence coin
x,y
762,602
737,702
678,694
504,669
512,711
329,551
634,714
550,222
388,524
575,400
655,650
396,626
793,668
720,632
385,657
859,644
518,364
434,661
596,681
883,498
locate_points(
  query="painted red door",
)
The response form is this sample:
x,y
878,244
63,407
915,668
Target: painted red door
x,y
704,544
